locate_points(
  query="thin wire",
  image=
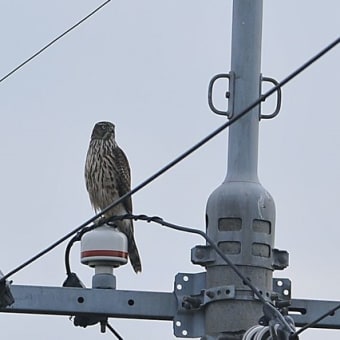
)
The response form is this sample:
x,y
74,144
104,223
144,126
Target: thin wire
x,y
179,158
114,331
74,239
53,41
244,279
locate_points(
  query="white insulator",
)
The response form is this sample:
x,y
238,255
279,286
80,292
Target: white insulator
x,y
263,334
257,333
249,334
104,246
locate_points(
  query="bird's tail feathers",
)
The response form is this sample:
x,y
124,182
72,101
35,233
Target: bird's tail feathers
x,y
134,255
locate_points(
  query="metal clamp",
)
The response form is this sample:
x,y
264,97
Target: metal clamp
x,y
229,94
278,101
219,293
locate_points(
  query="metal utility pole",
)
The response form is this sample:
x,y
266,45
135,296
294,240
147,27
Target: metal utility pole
x,y
240,212
219,303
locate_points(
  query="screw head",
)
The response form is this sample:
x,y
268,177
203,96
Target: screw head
x,y
210,294
200,253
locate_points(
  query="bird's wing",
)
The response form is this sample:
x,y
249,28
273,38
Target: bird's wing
x,y
124,176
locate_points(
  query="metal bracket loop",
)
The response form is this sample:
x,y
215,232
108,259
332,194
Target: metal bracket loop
x,y
278,101
229,94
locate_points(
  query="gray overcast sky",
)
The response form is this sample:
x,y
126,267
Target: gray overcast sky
x,y
145,65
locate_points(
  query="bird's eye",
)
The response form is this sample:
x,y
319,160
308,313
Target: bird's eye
x,y
103,127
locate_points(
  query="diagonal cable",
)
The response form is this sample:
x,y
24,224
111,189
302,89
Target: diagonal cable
x,y
179,158
53,41
114,332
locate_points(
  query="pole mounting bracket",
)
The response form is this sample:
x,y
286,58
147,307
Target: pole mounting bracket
x,y
229,95
278,98
189,320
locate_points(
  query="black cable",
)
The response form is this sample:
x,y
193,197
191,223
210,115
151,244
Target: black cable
x,y
67,254
114,331
179,158
53,41
159,220
74,239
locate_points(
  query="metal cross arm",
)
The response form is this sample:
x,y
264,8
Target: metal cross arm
x,y
315,313
89,302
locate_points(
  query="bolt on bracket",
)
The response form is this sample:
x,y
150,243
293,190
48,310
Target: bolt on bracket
x,y
202,255
280,259
283,288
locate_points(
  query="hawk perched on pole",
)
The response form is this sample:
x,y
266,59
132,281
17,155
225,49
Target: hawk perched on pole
x,y
107,175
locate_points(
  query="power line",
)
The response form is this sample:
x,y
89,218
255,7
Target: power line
x,y
53,41
179,158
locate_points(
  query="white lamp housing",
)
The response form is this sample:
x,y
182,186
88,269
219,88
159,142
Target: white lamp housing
x,y
104,247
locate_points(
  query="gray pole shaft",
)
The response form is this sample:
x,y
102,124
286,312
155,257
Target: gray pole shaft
x,y
240,212
246,64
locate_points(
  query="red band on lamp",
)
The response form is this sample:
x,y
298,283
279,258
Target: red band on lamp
x,y
110,253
